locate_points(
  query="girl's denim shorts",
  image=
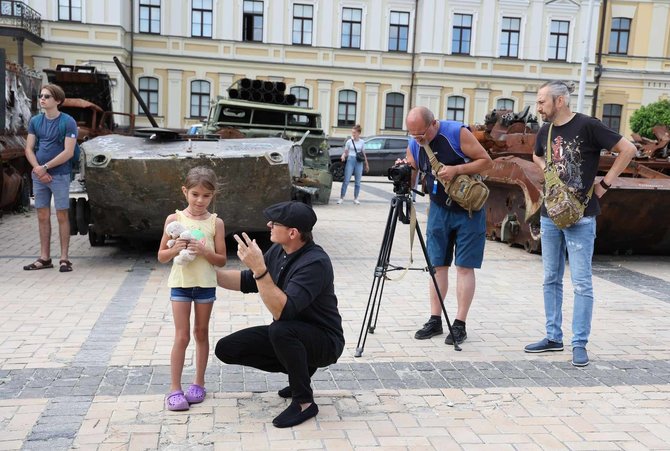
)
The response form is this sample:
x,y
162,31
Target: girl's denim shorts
x,y
195,294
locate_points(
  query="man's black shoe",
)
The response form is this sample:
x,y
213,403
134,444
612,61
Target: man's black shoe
x,y
285,392
430,329
293,415
459,332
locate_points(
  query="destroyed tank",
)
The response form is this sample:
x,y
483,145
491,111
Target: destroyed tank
x,y
130,184
260,108
516,186
20,88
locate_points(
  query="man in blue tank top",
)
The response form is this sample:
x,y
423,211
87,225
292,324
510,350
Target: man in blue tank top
x,y
450,231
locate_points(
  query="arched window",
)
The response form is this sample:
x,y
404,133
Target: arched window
x,y
301,96
199,98
346,108
456,108
148,87
612,116
505,104
394,111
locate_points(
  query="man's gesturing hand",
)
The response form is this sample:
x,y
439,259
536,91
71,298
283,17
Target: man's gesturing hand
x,y
249,253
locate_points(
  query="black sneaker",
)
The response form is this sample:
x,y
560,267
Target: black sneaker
x,y
459,332
430,329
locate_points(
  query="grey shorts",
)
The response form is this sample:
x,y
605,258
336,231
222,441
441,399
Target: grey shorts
x,y
59,187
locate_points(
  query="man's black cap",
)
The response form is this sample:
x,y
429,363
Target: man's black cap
x,y
292,214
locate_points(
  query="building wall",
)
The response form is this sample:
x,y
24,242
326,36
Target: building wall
x,y
482,77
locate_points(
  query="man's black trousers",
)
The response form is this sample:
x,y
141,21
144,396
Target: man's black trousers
x,y
292,347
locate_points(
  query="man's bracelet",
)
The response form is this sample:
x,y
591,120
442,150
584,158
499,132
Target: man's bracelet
x,y
604,184
262,275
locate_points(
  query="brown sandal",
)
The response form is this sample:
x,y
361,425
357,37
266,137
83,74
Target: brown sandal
x,y
39,264
65,265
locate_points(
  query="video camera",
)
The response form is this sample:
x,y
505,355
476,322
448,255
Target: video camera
x,y
401,176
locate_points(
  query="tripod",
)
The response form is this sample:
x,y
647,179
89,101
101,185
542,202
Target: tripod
x,y
396,213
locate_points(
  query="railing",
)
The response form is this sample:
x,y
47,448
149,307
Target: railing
x,y
19,15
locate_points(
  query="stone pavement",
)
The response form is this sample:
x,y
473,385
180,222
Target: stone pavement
x,y
84,356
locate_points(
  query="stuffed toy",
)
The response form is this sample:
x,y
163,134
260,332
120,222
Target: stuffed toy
x,y
177,230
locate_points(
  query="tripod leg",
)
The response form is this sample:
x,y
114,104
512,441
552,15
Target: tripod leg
x,y
431,269
377,287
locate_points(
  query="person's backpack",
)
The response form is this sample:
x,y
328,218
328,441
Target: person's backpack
x,y
61,128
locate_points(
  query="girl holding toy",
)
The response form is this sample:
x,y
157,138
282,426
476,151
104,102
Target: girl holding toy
x,y
193,282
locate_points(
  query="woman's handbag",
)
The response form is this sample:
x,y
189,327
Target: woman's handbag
x,y
359,155
563,206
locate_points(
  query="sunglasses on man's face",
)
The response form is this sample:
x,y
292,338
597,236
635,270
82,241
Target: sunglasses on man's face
x,y
45,96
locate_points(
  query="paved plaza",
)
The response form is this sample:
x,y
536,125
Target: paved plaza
x,y
84,356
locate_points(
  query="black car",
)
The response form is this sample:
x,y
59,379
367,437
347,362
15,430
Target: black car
x,y
382,152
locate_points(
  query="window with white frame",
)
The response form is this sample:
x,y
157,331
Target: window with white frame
x,y
69,10
201,19
462,34
199,98
303,22
351,27
619,35
505,104
301,96
456,108
150,16
346,108
148,87
394,111
252,21
509,37
558,40
398,31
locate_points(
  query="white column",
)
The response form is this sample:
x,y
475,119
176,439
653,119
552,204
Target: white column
x,y
225,80
324,105
370,123
174,113
481,106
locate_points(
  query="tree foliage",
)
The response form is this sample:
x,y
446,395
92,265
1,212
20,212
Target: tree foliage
x,y
644,119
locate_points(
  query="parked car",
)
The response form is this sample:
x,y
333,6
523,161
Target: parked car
x,y
382,152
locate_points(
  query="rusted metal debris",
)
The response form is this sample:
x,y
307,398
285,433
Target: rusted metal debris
x,y
634,211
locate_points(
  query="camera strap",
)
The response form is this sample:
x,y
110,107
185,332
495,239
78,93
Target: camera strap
x,y
412,233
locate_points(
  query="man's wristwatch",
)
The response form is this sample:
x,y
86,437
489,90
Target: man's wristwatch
x,y
45,166
604,184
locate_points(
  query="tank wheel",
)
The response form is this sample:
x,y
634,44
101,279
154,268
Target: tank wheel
x,y
494,236
337,170
72,216
96,239
83,215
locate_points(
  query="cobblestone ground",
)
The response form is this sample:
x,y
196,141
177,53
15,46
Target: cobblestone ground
x,y
84,356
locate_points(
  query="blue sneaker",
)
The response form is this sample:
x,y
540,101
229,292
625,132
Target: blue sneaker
x,y
579,356
544,345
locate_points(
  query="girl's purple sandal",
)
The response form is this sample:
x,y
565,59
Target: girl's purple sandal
x,y
195,394
176,401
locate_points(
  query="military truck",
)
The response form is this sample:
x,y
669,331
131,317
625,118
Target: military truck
x,y
259,108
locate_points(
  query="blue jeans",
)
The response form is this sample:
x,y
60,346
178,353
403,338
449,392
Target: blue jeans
x,y
578,240
352,167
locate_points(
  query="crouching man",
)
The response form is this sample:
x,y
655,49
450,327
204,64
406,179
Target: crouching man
x,y
295,282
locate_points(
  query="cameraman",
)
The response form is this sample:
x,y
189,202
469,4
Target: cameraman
x,y
450,228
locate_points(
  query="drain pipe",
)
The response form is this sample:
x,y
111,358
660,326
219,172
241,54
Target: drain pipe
x,y
411,82
132,52
599,59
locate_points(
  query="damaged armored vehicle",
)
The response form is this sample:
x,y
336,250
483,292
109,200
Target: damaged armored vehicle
x,y
261,153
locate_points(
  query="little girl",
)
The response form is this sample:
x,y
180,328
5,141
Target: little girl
x,y
194,282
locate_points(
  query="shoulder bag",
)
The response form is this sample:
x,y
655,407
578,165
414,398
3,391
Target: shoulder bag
x,y
563,206
468,191
359,155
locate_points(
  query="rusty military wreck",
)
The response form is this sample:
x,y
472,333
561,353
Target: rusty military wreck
x,y
634,211
262,153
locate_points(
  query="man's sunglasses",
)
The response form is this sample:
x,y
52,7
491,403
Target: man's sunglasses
x,y
45,96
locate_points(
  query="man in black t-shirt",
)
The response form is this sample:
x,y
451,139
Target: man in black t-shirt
x,y
576,141
295,282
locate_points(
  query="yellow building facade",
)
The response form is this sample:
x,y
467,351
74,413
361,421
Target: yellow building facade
x,y
365,61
